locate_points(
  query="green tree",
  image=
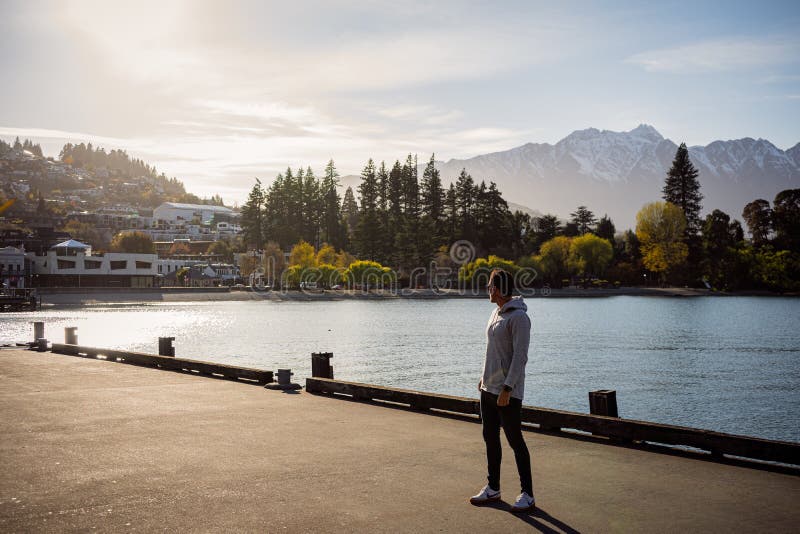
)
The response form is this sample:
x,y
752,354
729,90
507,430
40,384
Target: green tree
x,y
786,219
466,196
331,214
720,239
368,233
589,254
758,216
605,229
369,274
660,228
583,219
554,259
133,242
543,229
350,210
252,219
432,193
682,189
478,270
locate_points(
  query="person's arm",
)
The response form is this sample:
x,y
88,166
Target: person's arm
x,y
520,340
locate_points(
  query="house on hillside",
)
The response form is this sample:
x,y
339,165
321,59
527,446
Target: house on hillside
x,y
176,211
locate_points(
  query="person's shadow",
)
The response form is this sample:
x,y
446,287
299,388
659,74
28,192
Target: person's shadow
x,y
538,519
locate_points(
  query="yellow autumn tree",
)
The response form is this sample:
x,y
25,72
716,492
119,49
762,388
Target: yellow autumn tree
x,y
660,227
303,254
326,254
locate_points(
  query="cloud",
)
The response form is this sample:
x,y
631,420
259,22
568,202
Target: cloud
x,y
718,55
422,114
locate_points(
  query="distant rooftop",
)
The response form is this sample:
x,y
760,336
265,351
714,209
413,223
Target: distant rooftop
x,y
71,243
197,207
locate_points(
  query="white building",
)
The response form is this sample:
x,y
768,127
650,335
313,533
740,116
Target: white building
x,y
72,264
12,267
175,211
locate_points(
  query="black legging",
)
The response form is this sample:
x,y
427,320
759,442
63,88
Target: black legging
x,y
508,417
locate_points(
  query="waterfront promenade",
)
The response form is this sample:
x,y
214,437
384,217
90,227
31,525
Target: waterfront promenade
x,y
94,445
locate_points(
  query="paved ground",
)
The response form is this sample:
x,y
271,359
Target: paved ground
x,y
89,445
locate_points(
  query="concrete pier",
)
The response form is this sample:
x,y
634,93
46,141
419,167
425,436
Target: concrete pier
x,y
95,445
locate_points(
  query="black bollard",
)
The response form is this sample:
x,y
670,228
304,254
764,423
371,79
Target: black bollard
x,y
321,365
603,402
165,347
284,381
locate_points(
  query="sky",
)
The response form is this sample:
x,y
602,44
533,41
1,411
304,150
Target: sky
x,y
218,93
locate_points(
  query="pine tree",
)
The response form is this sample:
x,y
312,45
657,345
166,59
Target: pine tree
x,y
253,216
432,192
682,188
583,219
451,214
311,208
465,202
606,229
331,214
367,235
350,210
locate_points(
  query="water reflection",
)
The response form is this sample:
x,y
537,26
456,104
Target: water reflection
x,y
727,364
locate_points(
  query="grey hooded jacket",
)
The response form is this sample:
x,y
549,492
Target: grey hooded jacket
x,y
508,335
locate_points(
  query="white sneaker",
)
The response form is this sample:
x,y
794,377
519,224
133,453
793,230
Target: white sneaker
x,y
524,503
485,496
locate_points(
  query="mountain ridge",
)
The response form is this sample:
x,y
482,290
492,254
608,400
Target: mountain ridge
x,y
617,172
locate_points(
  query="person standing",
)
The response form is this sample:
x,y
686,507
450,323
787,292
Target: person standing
x,y
502,388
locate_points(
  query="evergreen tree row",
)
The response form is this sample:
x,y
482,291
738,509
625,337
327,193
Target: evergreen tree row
x,y
399,219
297,206
30,146
87,156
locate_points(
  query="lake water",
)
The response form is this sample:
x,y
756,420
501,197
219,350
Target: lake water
x,y
728,364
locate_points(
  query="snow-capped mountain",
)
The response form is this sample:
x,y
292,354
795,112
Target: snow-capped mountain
x,y
617,172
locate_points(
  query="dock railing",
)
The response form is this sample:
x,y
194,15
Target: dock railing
x,y
171,363
614,428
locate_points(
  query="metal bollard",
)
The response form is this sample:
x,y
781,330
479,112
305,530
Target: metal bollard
x,y
603,402
70,337
284,376
320,365
38,330
284,381
165,347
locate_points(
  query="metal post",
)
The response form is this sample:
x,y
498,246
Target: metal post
x,y
70,337
320,365
165,347
38,330
603,402
284,381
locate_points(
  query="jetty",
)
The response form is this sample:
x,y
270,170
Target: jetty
x,y
90,444
16,299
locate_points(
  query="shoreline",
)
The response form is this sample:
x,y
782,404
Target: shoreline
x,y
97,296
